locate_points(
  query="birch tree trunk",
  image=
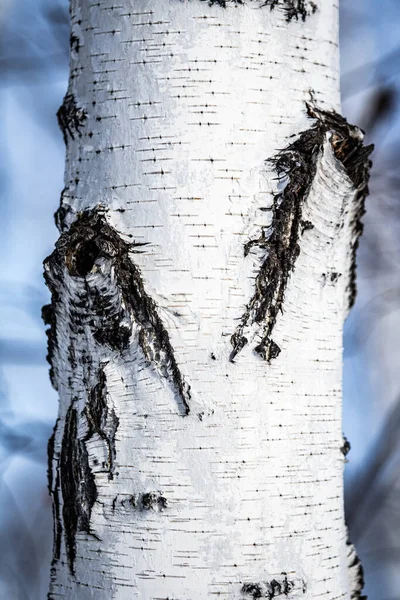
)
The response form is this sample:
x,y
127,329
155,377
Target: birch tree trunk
x,y
205,266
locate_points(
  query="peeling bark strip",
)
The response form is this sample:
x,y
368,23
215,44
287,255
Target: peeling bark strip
x,y
74,477
293,9
347,145
78,485
113,300
274,588
298,164
70,117
102,420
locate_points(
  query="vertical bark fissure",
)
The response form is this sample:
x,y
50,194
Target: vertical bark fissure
x,y
78,485
53,478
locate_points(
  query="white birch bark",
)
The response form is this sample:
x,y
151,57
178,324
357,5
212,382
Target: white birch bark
x,y
186,463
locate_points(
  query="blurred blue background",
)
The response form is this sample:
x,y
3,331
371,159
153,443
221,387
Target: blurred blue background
x,y
34,41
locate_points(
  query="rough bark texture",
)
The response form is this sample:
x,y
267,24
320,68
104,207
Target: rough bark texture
x,y
297,164
209,223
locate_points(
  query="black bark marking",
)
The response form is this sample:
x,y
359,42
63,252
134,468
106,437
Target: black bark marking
x,y
74,43
223,3
102,420
346,447
252,589
50,459
57,524
306,226
293,9
70,117
86,254
357,573
334,277
297,164
64,213
274,588
78,485
54,488
112,302
48,316
155,501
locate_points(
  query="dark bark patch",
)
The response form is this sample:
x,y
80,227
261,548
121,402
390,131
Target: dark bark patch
x,y
78,485
70,118
113,301
48,316
293,9
346,447
306,226
223,3
357,573
54,488
74,43
50,459
297,165
101,419
155,501
334,277
86,255
281,586
57,525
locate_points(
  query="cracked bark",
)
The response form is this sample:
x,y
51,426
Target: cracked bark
x,y
297,164
112,303
78,485
175,472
